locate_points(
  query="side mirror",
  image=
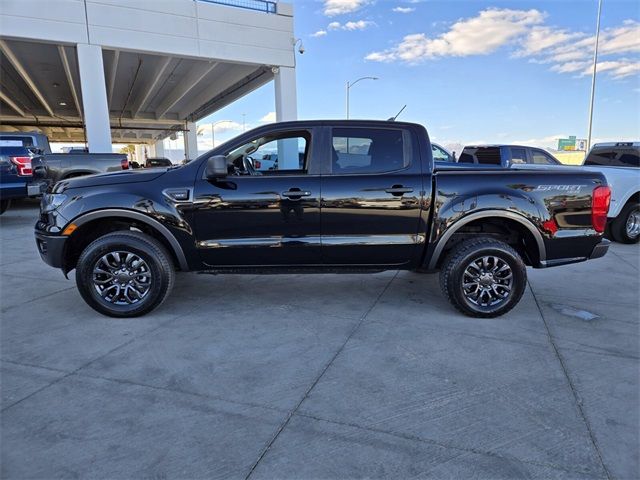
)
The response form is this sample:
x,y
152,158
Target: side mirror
x,y
216,167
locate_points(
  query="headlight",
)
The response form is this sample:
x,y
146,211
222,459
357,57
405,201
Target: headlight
x,y
52,201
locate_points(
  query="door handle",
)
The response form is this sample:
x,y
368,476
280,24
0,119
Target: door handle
x,y
296,194
398,190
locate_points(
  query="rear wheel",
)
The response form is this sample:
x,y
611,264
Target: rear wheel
x,y
125,274
483,277
626,226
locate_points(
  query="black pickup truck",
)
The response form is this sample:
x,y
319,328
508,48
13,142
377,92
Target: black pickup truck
x,y
365,198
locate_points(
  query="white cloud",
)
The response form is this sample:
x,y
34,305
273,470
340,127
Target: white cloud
x,y
550,141
340,7
359,25
617,69
542,38
319,33
479,35
220,127
526,34
404,9
269,117
625,39
348,26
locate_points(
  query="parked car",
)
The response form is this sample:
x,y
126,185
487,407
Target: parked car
x,y
620,163
506,155
126,233
22,174
61,166
158,162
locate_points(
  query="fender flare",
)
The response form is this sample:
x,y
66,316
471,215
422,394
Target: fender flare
x,y
437,252
164,231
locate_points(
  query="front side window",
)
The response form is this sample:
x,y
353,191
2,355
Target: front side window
x,y
369,150
541,158
275,154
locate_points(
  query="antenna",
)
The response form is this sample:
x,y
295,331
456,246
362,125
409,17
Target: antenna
x,y
393,119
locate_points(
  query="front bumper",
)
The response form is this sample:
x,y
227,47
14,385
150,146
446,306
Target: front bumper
x,y
51,249
601,249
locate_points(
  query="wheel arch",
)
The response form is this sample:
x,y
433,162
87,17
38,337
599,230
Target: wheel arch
x,y
128,216
488,215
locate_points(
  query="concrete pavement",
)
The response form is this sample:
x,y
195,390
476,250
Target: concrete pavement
x,y
319,376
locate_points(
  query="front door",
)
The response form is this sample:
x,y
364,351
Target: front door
x,y
371,199
266,212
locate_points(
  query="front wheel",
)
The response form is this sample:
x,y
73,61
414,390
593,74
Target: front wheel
x,y
626,226
483,277
125,274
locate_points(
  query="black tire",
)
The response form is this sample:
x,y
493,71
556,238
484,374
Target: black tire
x,y
149,271
625,228
506,289
4,204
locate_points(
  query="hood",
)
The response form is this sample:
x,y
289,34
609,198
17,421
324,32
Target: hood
x,y
112,178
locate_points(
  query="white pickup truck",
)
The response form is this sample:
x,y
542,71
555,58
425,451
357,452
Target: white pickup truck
x,y
620,163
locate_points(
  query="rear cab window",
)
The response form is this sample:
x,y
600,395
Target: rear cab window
x,y
614,157
369,150
481,155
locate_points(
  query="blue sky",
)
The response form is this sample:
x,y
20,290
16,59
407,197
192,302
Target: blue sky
x,y
470,71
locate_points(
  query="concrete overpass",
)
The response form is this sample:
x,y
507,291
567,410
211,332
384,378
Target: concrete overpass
x,y
135,71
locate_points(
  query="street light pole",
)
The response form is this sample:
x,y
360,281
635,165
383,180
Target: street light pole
x,y
593,76
351,84
213,126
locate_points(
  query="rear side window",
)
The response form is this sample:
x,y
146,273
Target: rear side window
x,y
614,158
369,150
518,155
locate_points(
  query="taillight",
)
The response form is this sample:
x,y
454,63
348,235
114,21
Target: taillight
x,y
600,207
24,165
124,163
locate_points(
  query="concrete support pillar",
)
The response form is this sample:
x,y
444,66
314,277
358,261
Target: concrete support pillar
x,y
286,110
286,96
94,98
191,141
140,157
158,149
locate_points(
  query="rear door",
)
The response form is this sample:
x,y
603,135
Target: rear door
x,y
371,197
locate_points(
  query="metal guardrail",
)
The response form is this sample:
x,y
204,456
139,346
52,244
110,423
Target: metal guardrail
x,y
257,5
